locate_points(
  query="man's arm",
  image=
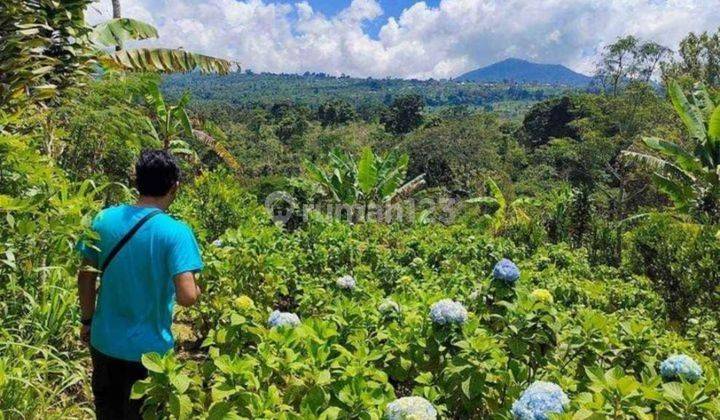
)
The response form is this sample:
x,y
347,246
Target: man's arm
x,y
87,283
187,291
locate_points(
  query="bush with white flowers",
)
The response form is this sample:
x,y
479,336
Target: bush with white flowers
x,y
346,282
506,271
448,311
283,319
680,366
540,400
388,307
406,408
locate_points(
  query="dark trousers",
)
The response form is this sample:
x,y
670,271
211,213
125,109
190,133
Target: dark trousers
x,y
112,380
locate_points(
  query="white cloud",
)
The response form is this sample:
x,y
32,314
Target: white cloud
x,y
423,41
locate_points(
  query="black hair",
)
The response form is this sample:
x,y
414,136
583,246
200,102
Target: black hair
x,y
156,172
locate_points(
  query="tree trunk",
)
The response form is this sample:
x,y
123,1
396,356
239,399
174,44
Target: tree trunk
x,y
116,15
116,9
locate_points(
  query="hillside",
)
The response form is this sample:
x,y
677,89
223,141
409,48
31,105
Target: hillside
x,y
314,89
521,71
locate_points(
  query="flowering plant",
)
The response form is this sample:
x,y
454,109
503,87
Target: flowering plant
x,y
447,311
346,282
680,366
506,271
283,319
406,408
539,400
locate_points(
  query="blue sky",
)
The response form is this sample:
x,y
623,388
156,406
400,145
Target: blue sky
x,y
409,38
390,8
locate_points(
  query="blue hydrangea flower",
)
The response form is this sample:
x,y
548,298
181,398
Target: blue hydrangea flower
x,y
406,408
388,306
680,366
283,319
506,271
448,311
217,243
539,400
346,282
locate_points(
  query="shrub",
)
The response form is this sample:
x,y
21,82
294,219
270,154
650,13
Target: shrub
x,y
283,319
680,366
540,400
448,311
410,408
506,271
346,282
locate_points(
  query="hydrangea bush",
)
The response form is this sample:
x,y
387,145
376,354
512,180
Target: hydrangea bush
x,y
410,408
346,282
447,311
283,319
680,366
388,306
542,295
540,400
506,271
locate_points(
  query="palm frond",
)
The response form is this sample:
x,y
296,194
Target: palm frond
x,y
659,165
168,61
218,148
115,32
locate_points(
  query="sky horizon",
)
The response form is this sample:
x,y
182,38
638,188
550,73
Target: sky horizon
x,y
407,38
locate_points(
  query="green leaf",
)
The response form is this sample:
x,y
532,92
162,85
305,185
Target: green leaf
x,y
690,115
222,411
180,382
714,125
140,389
168,61
180,406
367,172
115,32
153,362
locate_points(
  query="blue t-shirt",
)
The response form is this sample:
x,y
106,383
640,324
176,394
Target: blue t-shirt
x,y
134,309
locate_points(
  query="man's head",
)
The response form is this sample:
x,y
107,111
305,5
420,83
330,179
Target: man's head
x,y
157,174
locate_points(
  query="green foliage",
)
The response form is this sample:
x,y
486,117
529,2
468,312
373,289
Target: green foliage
x,y
115,32
372,178
699,60
43,51
369,97
689,178
335,112
404,114
602,336
679,257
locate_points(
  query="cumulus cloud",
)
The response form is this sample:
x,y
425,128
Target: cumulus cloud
x,y
423,42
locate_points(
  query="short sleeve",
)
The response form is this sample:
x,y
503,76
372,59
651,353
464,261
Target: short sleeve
x,y
184,252
87,245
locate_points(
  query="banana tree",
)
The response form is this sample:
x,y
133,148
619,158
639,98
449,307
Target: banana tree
x,y
372,179
690,178
116,31
500,210
169,123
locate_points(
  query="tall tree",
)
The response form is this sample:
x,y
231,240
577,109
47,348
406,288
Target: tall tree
x,y
699,60
629,59
404,115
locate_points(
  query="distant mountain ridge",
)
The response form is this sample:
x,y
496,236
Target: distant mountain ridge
x,y
522,71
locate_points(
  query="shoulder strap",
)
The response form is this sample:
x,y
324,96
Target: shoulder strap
x,y
126,238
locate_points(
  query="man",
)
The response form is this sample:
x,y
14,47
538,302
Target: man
x,y
147,261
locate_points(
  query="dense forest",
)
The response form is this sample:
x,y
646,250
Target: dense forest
x,y
429,252
247,89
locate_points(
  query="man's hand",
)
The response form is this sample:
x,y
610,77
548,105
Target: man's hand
x,y
85,334
187,291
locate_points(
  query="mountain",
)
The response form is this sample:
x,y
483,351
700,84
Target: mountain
x,y
522,71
